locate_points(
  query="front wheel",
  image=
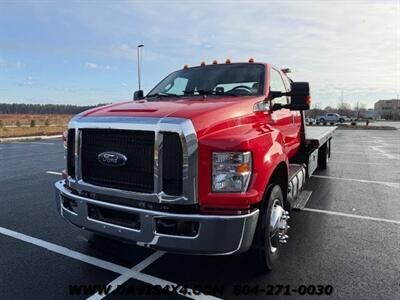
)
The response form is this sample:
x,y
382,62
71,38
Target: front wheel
x,y
271,230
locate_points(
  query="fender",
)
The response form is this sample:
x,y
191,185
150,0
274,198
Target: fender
x,y
263,141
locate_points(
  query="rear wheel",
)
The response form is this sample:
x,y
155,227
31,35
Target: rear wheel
x,y
271,230
323,156
341,120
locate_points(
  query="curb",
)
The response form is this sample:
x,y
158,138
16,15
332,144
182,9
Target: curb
x,y
367,128
29,138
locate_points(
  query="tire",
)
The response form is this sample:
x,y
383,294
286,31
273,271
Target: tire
x,y
322,120
329,148
341,120
323,156
264,253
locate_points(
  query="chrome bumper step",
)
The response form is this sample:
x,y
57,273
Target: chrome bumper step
x,y
301,200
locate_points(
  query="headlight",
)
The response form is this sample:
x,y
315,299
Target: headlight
x,y
231,171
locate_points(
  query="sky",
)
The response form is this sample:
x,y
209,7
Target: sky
x,y
83,53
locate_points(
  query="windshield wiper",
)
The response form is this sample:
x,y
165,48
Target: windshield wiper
x,y
205,92
228,94
161,94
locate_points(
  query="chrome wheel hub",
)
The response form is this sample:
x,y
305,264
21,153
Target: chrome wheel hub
x,y
278,226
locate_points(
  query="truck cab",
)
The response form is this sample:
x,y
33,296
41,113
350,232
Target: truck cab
x,y
209,162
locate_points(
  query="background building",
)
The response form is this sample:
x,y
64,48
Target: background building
x,y
388,109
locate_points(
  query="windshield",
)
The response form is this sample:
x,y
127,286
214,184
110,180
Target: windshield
x,y
228,79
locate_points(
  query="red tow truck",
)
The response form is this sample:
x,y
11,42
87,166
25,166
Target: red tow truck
x,y
210,161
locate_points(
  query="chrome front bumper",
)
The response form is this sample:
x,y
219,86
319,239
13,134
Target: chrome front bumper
x,y
217,235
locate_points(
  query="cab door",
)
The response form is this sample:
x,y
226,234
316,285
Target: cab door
x,y
294,134
284,120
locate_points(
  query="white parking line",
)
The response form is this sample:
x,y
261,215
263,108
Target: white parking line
x,y
32,155
336,213
357,163
129,274
358,153
37,143
30,138
383,152
65,251
19,147
390,184
54,173
189,293
149,279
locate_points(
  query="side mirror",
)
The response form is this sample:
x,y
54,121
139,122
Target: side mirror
x,y
299,96
137,95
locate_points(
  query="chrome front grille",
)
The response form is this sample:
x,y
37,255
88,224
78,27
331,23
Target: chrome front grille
x,y
161,152
137,174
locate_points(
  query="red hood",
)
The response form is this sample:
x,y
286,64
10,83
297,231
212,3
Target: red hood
x,y
206,115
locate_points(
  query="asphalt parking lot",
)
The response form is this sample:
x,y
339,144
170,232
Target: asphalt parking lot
x,y
347,237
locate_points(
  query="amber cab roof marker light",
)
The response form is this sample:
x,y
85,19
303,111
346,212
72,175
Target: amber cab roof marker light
x,y
251,60
308,100
228,61
203,63
215,62
186,66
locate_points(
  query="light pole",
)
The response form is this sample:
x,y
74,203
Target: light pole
x,y
138,62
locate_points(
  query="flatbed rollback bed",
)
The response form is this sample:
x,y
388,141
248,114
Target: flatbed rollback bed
x,y
313,154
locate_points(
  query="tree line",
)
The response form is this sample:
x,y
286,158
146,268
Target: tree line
x,y
343,108
42,109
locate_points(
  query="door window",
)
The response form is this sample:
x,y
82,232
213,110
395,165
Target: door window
x,y
277,85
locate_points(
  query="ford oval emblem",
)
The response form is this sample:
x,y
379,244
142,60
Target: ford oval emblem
x,y
112,159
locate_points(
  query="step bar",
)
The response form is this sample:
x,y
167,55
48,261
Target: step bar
x,y
297,197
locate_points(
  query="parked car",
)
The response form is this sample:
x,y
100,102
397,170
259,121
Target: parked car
x,y
347,119
310,121
331,118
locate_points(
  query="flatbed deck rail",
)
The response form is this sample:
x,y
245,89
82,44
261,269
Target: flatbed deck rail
x,y
318,135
